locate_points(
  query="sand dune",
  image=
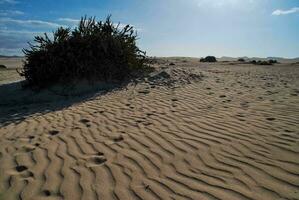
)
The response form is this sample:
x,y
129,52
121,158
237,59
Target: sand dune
x,y
232,135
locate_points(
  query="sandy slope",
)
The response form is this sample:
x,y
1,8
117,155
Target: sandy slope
x,y
233,135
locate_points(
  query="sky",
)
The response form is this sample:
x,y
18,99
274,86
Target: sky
x,y
193,28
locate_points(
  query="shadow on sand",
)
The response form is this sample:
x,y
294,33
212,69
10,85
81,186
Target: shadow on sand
x,y
16,103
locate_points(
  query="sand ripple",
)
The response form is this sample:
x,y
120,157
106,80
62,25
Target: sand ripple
x,y
233,135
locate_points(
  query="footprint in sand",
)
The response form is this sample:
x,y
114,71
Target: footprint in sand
x,y
118,138
85,121
27,148
21,168
53,132
99,160
47,193
114,140
96,160
30,137
244,104
27,174
37,144
288,131
21,171
100,111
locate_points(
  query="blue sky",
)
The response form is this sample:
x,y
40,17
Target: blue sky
x,y
167,27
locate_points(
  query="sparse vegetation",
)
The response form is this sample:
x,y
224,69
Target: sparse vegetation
x,y
263,63
241,60
260,62
208,59
94,51
3,67
273,61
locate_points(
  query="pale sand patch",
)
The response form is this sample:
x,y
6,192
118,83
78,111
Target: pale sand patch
x,y
232,135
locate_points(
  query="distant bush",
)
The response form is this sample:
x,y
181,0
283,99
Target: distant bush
x,y
272,61
264,63
3,67
208,59
259,62
241,60
95,51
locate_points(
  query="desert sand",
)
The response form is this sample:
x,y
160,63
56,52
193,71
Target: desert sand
x,y
230,133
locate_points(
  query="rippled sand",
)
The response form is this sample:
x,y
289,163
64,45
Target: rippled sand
x,y
232,135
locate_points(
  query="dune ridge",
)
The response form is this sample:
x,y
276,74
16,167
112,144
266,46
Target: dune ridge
x,y
232,135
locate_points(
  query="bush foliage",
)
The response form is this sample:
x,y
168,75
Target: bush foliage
x,y
3,67
208,59
259,62
96,51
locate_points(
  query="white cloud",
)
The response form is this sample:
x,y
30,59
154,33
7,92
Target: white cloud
x,y
13,41
76,21
121,26
285,12
20,32
10,12
30,23
8,1
69,20
221,3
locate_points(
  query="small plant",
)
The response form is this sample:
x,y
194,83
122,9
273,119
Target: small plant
x,y
264,63
272,61
253,62
241,60
94,51
259,62
208,59
3,67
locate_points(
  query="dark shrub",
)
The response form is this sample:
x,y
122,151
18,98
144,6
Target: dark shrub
x,y
202,60
241,60
264,63
259,62
95,51
171,64
208,59
272,61
3,67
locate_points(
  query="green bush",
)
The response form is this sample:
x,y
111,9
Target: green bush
x,y
259,62
3,67
208,59
263,63
94,51
272,61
